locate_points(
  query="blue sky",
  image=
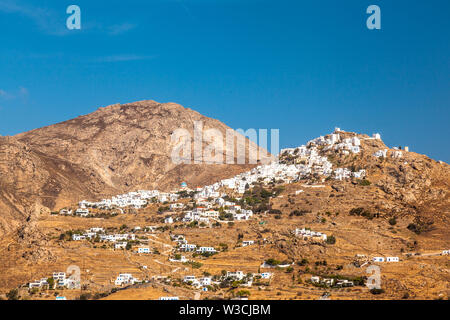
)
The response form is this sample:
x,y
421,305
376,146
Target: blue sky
x,y
303,67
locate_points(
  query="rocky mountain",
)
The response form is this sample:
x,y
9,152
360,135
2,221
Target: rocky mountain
x,y
115,149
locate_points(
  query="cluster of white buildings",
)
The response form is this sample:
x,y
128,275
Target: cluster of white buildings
x,y
60,281
136,199
331,282
335,142
119,239
207,209
201,282
230,275
240,275
81,212
200,214
211,191
184,246
306,233
204,213
264,173
132,199
309,162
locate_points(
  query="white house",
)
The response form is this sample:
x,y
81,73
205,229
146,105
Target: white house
x,y
82,212
59,276
356,141
143,250
78,237
265,275
35,284
248,243
67,283
189,278
168,220
392,259
396,154
381,153
120,245
306,233
38,283
125,278
192,280
378,259
205,281
344,283
327,281
238,275
206,249
169,298
187,247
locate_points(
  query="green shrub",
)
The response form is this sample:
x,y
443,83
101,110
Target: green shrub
x,y
85,296
243,293
13,294
364,182
303,262
414,228
393,221
272,262
376,291
331,240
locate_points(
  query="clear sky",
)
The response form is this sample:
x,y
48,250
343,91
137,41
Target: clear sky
x,y
303,67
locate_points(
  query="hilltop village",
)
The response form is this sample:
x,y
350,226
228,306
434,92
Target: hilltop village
x,y
308,162
244,199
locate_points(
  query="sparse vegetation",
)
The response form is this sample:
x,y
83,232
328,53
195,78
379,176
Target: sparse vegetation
x,y
393,221
303,262
13,294
364,182
272,262
376,291
331,240
243,293
298,213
